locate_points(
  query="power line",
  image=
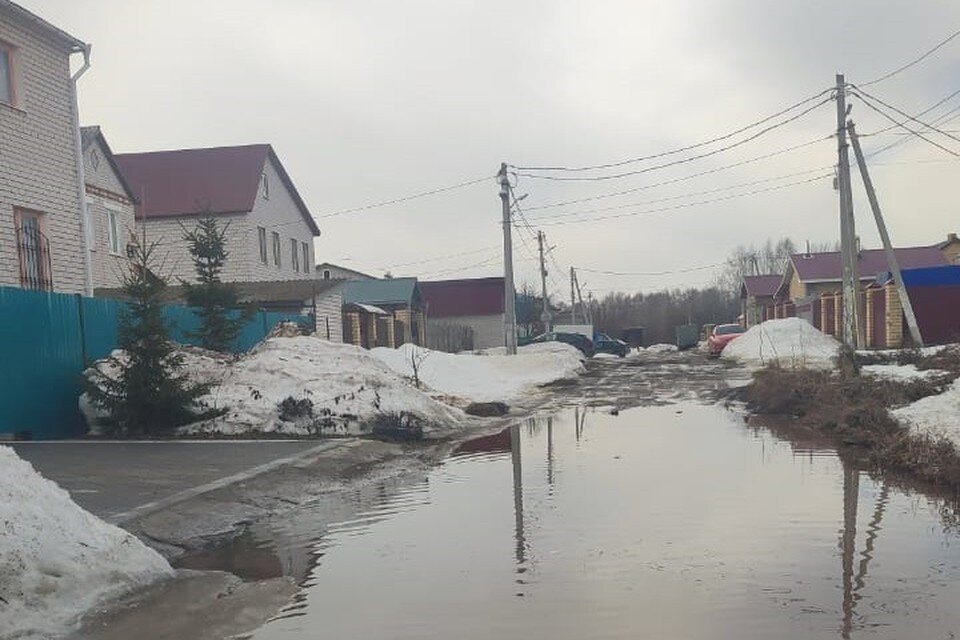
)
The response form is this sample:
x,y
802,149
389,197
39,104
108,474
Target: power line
x,y
438,258
482,263
691,176
904,125
423,194
923,57
863,95
674,163
654,273
682,149
943,119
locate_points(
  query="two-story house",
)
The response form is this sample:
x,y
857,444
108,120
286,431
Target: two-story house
x,y
269,229
42,239
110,210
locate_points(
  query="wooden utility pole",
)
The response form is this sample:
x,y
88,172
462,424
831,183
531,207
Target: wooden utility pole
x,y
892,261
573,296
509,292
545,314
852,329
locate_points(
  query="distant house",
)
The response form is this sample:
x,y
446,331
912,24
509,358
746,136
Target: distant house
x,y
460,309
328,271
383,313
270,233
41,184
110,210
757,293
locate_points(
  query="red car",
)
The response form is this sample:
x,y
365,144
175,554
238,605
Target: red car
x,y
721,336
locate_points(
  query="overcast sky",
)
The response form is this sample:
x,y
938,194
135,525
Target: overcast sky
x,y
371,100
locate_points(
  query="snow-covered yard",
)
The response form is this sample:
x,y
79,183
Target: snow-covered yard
x,y
788,342
900,372
486,377
937,415
56,560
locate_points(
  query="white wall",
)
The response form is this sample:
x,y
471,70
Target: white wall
x,y
338,273
330,310
38,157
107,194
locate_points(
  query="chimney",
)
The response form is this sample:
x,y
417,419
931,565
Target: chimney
x,y
951,237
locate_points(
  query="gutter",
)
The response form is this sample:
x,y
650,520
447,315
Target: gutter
x,y
81,177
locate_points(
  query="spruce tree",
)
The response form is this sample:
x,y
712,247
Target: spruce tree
x,y
216,301
144,391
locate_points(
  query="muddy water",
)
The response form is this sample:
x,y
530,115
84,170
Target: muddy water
x,y
665,522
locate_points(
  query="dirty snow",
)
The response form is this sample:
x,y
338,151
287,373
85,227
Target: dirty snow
x,y
937,415
606,356
900,373
56,560
487,376
661,347
347,385
788,342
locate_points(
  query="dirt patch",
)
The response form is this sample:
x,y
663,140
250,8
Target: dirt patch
x,y
854,410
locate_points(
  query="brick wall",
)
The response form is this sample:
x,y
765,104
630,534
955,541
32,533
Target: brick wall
x,y
38,156
105,194
894,318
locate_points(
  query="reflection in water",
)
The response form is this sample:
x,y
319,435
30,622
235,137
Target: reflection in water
x,y
658,524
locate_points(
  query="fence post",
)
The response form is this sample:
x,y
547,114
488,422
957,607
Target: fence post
x,y
263,321
83,330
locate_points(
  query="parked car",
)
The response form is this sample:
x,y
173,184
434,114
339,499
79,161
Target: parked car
x,y
721,336
602,343
578,340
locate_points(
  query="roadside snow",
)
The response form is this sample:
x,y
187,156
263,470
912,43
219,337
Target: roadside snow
x,y
488,376
56,560
661,347
347,386
788,342
901,373
937,415
606,356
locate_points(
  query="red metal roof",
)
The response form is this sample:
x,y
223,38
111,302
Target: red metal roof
x,y
815,267
216,180
759,286
468,297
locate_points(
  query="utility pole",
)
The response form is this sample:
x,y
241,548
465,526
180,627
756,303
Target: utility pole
x,y
892,261
509,293
583,308
573,296
852,328
545,314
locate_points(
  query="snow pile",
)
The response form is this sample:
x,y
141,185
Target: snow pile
x,y
56,560
789,342
937,415
326,387
488,377
900,373
605,356
661,347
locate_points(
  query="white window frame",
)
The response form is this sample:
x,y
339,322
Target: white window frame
x,y
306,257
277,246
114,230
11,70
294,257
264,186
262,240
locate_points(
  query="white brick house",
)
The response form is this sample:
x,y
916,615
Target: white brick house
x,y
110,210
270,233
41,226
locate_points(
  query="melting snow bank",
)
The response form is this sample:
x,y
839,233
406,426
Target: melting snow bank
x,y
936,416
789,342
487,376
56,560
900,373
307,386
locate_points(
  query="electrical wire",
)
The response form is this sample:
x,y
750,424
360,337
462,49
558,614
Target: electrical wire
x,y
654,273
681,149
423,194
863,95
943,119
904,126
916,61
680,161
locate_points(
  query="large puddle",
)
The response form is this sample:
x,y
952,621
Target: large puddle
x,y
662,522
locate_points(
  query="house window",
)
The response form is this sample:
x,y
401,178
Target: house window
x,y
7,89
33,249
326,274
276,248
294,259
113,231
264,187
306,257
262,237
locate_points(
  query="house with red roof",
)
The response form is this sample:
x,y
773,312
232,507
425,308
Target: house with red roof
x,y
464,314
270,231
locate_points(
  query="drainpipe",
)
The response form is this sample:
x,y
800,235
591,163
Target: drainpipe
x,y
81,176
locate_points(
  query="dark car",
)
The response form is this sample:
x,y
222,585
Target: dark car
x,y
602,343
578,340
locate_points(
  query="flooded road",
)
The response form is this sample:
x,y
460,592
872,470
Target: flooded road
x,y
676,521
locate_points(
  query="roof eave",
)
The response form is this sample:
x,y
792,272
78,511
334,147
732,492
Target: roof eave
x,y
74,44
288,183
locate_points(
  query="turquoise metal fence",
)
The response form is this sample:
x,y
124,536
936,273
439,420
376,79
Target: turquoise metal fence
x,y
47,339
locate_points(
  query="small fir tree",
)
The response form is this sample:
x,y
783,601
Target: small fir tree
x,y
216,301
143,391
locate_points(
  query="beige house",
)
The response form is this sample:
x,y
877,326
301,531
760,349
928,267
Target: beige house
x,y
41,173
270,231
330,271
110,210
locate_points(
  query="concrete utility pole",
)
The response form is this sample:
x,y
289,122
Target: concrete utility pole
x,y
573,296
892,261
852,329
545,314
509,293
